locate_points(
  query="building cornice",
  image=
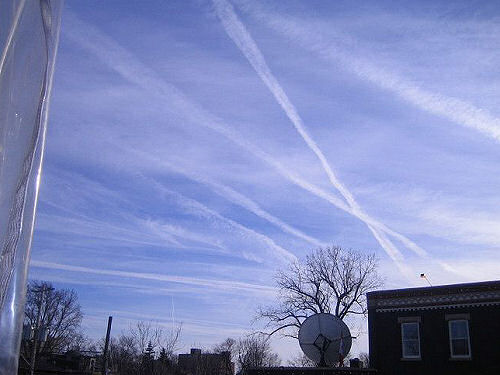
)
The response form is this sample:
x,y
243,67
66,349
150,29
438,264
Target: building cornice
x,y
451,296
436,307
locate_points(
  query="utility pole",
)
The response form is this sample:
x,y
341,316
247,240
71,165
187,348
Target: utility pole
x,y
36,330
106,345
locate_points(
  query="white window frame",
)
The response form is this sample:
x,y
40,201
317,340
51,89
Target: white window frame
x,y
404,355
459,356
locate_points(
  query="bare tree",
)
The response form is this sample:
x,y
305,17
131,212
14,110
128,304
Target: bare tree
x,y
147,348
53,316
228,345
365,359
330,280
169,341
254,351
301,360
146,333
124,355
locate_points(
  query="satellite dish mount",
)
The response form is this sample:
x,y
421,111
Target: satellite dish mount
x,y
322,343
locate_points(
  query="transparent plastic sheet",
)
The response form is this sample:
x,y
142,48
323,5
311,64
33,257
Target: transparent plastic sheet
x,y
29,31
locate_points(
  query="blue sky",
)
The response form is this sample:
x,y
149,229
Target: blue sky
x,y
195,147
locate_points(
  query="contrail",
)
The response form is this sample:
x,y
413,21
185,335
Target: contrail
x,y
201,210
237,198
72,278
162,229
125,64
210,283
104,230
450,108
187,322
172,312
242,38
98,230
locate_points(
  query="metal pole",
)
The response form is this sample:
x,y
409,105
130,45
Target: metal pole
x,y
106,345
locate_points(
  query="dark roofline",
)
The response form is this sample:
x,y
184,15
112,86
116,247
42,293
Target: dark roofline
x,y
439,289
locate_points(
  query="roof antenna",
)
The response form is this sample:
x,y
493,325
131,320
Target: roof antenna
x,y
422,276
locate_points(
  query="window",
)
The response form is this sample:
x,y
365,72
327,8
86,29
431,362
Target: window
x,y
459,338
410,340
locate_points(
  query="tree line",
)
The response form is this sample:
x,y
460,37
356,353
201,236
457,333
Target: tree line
x,y
53,325
329,280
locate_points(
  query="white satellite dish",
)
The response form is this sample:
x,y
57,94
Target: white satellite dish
x,y
324,339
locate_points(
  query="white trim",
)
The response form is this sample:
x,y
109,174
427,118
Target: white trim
x,y
461,356
403,356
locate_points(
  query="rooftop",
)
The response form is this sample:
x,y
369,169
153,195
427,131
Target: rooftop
x,y
442,296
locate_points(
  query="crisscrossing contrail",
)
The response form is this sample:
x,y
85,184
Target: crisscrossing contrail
x,y
242,38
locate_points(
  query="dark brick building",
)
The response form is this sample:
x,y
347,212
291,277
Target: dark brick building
x,y
450,329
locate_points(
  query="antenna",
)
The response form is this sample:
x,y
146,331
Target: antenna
x,y
325,339
422,276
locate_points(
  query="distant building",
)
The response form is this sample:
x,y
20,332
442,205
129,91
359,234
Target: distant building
x,y
198,363
451,329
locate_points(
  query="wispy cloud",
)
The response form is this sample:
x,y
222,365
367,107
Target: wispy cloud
x,y
99,229
199,209
130,68
125,227
132,286
168,230
205,283
460,219
153,232
308,35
